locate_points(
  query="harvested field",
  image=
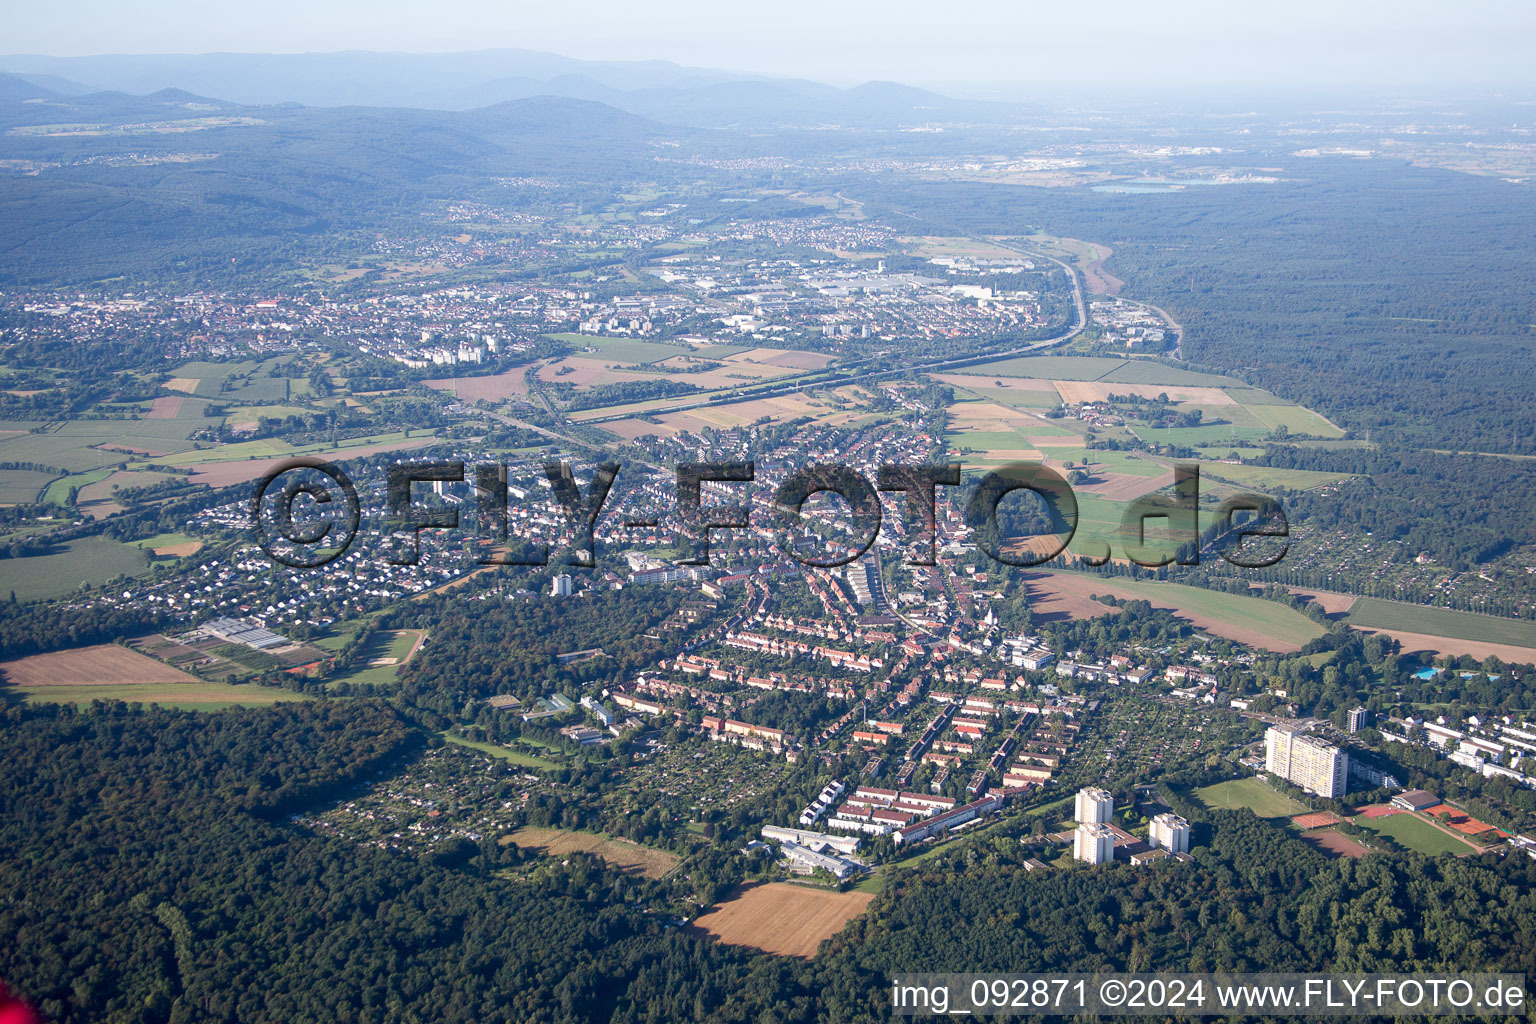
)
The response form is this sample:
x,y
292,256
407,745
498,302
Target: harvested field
x,y
494,388
1075,392
181,550
1055,440
1316,819
103,664
586,372
631,429
630,857
787,359
1048,604
222,474
167,407
778,917
1425,644
1329,602
1334,843
1124,486
186,384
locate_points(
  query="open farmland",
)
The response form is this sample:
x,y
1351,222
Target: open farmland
x,y
621,853
782,918
103,664
1247,620
63,567
490,388
1255,794
1394,616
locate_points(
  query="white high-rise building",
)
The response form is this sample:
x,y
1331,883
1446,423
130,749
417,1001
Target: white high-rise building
x,y
1169,832
1094,806
561,586
1306,761
1094,844
1357,719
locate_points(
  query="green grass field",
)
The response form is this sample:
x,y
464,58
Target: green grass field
x,y
1255,794
200,696
89,559
1268,477
163,540
384,644
23,486
1416,834
1140,371
1375,613
497,750
1267,618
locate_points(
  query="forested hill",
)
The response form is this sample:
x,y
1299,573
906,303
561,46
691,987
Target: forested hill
x,y
1394,299
150,881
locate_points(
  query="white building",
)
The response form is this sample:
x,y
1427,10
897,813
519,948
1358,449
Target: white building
x,y
1094,844
1306,761
1094,806
561,586
1357,719
1169,832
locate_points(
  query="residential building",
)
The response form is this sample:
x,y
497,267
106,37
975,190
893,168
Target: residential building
x,y
1306,761
1094,844
1094,806
1169,832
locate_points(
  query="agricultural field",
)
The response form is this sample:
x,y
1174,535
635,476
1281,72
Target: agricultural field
x,y
102,664
1247,620
1253,793
621,853
1395,617
781,917
64,567
170,545
23,486
1416,834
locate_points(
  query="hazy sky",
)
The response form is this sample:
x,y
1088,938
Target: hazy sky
x,y
981,47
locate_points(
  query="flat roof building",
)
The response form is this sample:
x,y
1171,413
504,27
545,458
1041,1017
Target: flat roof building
x,y
1094,806
1093,844
1306,761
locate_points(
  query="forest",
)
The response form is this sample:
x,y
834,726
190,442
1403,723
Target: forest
x,y
155,879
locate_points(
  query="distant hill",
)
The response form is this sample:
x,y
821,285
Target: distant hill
x,y
658,90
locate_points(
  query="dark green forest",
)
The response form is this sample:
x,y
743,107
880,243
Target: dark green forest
x,y
153,877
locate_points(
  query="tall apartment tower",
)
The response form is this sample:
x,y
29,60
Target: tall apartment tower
x,y
1169,832
1094,806
1094,844
560,586
1357,719
1306,761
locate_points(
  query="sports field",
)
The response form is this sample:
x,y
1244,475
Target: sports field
x,y
778,917
498,751
623,854
1416,834
1253,793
